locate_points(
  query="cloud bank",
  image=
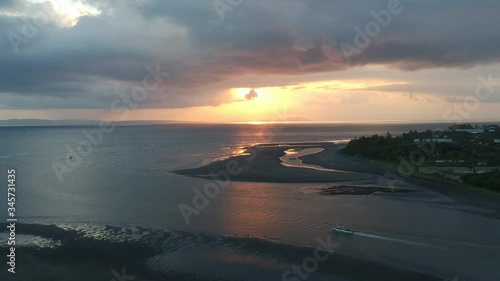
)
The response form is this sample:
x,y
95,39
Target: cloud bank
x,y
86,61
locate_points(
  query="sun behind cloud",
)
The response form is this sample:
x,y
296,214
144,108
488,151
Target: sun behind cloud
x,y
241,93
70,11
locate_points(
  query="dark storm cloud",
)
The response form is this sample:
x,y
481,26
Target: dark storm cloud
x,y
81,66
425,34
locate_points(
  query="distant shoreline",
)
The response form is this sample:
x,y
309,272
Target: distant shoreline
x,y
21,123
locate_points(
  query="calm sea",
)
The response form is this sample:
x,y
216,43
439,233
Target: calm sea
x,y
124,180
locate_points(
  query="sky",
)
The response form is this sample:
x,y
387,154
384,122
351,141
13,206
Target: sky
x,y
250,60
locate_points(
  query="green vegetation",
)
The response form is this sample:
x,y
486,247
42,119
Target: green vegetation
x,y
489,180
453,150
461,126
386,148
465,150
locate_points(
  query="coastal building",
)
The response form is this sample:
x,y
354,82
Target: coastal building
x,y
429,170
453,177
433,140
460,170
449,161
492,128
444,170
481,170
472,131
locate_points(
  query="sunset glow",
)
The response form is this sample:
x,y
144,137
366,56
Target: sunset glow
x,y
250,140
70,11
241,70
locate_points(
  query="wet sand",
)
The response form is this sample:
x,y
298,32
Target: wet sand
x,y
82,258
478,197
293,158
262,164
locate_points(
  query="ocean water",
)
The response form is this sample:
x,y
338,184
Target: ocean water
x,y
123,185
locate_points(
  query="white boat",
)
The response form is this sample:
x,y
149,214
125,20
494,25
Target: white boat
x,y
344,230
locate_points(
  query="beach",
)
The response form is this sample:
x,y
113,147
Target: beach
x,y
262,163
95,252
323,162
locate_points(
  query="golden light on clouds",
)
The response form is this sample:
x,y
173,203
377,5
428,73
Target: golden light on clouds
x,y
241,93
345,85
297,93
345,100
70,10
293,98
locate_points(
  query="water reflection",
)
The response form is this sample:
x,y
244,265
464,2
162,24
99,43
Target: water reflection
x,y
292,159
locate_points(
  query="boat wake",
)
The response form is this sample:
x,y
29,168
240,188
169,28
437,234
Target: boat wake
x,y
385,238
162,254
380,237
